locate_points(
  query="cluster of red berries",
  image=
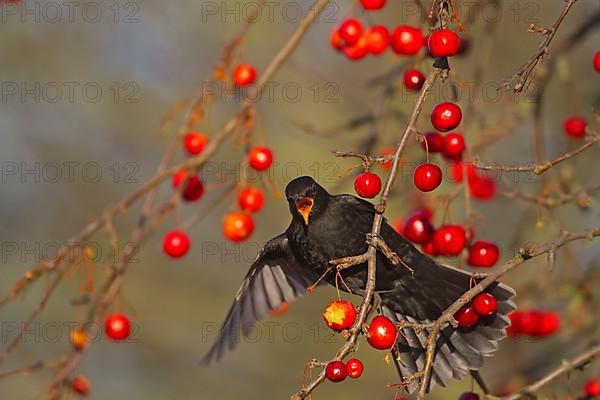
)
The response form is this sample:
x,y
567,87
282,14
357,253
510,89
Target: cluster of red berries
x,y
533,323
340,315
483,305
356,42
239,225
447,240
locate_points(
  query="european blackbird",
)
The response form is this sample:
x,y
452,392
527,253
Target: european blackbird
x,y
326,227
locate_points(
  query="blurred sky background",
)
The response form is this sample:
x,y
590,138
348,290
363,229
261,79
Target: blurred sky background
x,y
145,58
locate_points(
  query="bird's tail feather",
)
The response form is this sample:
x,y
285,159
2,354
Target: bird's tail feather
x,y
458,350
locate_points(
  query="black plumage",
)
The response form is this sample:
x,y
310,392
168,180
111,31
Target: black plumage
x,y
325,227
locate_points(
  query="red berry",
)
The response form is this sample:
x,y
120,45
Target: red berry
x,y
237,226
414,79
485,304
194,188
407,40
194,143
592,386
260,158
378,39
357,50
367,185
528,322
515,323
549,323
449,240
117,327
336,40
382,333
597,61
429,249
176,244
427,177
483,254
446,116
482,187
435,142
350,30
454,145
244,75
575,127
336,371
372,4
398,226
355,368
466,316
443,43
418,228
251,199
469,396
80,385
339,315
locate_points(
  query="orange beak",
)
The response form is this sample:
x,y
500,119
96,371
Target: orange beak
x,y
304,206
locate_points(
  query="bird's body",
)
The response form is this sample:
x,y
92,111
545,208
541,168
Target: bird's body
x,y
325,227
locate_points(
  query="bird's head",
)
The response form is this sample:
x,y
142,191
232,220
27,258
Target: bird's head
x,y
306,198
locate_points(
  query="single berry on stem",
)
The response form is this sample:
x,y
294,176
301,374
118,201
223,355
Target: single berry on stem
x,y
427,177
382,333
485,304
238,226
575,126
418,228
244,75
449,240
351,30
406,40
378,39
117,327
260,158
336,371
443,43
413,79
367,185
355,368
483,254
466,316
339,315
453,146
80,385
446,116
251,199
176,244
194,143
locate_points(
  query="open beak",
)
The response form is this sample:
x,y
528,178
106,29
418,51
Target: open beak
x,y
304,206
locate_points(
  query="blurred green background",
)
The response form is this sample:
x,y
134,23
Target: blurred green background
x,y
146,56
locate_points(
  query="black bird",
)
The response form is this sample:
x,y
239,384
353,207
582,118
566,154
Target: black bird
x,y
326,227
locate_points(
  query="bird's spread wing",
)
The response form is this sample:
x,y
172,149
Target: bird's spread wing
x,y
275,277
